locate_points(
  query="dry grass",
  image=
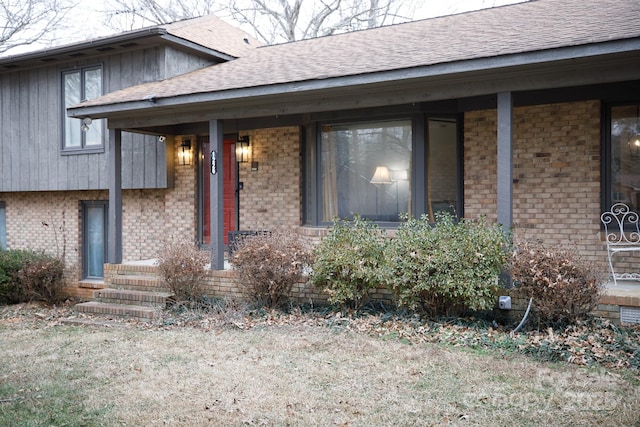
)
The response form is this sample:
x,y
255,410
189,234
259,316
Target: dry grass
x,y
280,375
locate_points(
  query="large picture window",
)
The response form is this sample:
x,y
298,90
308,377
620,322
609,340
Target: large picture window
x,y
624,156
381,170
365,169
78,86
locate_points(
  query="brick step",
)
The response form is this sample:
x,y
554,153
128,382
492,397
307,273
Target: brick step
x,y
111,310
92,284
130,270
138,283
132,297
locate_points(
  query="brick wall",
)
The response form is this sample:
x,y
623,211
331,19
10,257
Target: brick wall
x,y
556,171
272,198
179,216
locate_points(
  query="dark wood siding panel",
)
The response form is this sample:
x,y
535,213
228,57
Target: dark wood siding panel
x,y
20,163
4,124
179,62
50,144
31,126
140,160
41,127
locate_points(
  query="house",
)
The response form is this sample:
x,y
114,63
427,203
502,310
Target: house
x,y
54,175
521,113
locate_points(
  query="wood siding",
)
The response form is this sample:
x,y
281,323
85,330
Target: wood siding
x,y
31,125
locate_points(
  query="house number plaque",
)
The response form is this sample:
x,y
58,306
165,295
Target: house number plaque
x,y
214,163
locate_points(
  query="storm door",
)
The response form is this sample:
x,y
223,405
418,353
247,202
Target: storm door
x,y
94,238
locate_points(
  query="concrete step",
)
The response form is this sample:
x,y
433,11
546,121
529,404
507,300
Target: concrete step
x,y
132,297
111,310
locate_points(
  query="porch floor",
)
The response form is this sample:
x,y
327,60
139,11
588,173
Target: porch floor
x,y
629,288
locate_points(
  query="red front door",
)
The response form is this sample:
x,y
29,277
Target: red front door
x,y
229,182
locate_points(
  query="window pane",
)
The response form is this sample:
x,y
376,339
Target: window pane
x,y
442,166
92,83
72,132
94,240
365,170
93,89
625,155
93,135
3,227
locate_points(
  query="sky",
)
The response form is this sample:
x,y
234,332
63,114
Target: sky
x,y
86,19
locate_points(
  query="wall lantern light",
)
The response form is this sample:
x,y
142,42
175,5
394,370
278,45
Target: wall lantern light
x,y
242,149
184,155
86,122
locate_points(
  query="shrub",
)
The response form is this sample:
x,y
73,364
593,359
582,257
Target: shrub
x,y
183,269
42,277
349,262
447,267
269,264
27,276
11,262
564,287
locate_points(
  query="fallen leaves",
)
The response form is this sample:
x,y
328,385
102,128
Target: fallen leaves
x,y
595,342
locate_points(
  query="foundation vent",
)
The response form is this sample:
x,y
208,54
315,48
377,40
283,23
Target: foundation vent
x,y
629,314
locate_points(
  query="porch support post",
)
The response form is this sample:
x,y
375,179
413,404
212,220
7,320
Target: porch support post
x,y
505,160
216,200
114,242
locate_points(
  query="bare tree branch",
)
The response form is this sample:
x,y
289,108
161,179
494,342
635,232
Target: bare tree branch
x,y
24,22
123,15
272,21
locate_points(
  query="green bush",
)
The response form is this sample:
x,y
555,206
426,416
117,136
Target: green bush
x,y
11,262
565,288
349,262
183,269
447,267
269,265
42,278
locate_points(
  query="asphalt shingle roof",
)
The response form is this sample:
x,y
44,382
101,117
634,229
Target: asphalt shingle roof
x,y
525,27
213,33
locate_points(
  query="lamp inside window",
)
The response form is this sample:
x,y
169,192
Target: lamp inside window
x,y
184,154
243,149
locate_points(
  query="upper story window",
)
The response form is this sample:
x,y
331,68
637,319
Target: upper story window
x,y
383,169
80,85
623,180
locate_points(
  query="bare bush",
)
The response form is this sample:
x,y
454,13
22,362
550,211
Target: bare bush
x,y
564,287
183,269
269,264
42,278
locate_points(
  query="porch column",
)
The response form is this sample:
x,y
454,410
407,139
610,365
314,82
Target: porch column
x,y
216,141
114,242
505,160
